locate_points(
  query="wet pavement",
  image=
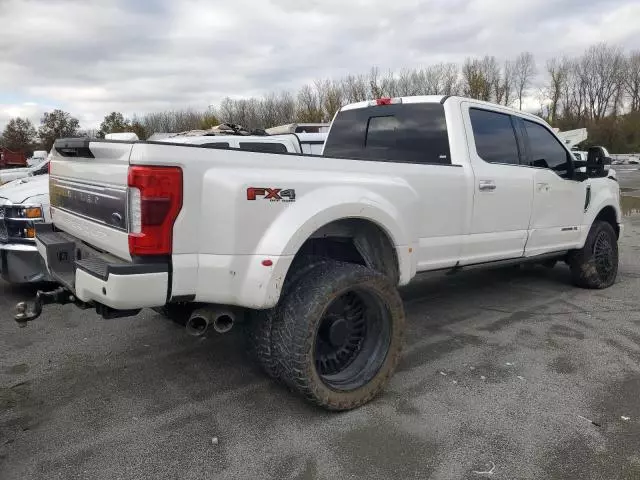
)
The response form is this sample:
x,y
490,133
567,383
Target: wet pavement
x,y
507,374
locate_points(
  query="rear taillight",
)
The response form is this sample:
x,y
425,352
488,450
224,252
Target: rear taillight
x,y
155,200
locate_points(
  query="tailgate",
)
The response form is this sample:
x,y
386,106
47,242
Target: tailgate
x,y
88,190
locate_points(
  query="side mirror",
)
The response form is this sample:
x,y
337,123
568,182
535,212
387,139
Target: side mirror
x,y
598,161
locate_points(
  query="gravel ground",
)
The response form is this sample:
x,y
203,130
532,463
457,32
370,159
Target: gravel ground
x,y
514,373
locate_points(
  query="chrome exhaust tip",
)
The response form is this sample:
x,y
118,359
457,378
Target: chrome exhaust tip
x,y
197,325
200,320
224,322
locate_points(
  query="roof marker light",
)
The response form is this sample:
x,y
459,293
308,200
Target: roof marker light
x,y
385,101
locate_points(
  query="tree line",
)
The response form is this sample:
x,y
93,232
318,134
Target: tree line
x,y
599,90
20,135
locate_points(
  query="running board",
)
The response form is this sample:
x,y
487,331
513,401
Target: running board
x,y
508,262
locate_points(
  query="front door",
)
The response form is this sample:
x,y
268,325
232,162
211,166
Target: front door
x,y
558,201
503,187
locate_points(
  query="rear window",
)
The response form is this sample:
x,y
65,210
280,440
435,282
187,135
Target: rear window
x,y
263,147
411,133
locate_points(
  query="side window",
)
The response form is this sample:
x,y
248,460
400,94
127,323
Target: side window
x,y
263,147
495,137
546,150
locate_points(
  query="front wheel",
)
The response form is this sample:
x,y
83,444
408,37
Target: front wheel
x,y
595,266
339,335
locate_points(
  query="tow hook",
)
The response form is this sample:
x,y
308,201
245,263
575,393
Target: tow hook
x,y
27,311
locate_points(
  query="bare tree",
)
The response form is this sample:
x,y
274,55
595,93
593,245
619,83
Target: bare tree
x,y
632,80
329,94
507,84
492,74
524,71
375,86
558,71
432,79
587,91
475,83
354,88
308,108
406,83
388,85
601,68
450,79
286,110
575,95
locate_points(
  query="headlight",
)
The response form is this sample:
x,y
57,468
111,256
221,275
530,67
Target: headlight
x,y
32,212
19,221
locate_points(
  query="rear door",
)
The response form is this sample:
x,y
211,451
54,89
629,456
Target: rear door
x,y
559,201
503,187
408,143
88,190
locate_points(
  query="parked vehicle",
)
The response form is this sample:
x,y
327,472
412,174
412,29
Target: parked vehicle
x,y
12,174
37,158
580,155
310,143
305,143
311,250
299,128
10,159
266,144
23,204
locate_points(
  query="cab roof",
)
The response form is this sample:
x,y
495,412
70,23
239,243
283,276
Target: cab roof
x,y
440,99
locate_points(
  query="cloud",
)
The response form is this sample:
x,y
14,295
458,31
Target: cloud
x,y
91,57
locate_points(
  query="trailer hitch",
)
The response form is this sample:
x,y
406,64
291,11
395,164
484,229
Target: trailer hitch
x,y
28,311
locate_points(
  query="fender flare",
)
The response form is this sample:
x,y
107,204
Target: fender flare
x,y
594,210
298,223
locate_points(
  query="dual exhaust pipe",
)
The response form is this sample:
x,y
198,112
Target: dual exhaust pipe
x,y
222,321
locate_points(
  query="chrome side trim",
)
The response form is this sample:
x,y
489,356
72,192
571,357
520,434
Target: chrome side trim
x,y
100,203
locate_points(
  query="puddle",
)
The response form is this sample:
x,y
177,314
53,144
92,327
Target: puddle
x,y
630,205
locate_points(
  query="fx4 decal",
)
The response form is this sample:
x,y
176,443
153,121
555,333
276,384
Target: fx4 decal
x,y
271,194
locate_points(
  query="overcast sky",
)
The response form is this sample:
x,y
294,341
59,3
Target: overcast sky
x,y
91,57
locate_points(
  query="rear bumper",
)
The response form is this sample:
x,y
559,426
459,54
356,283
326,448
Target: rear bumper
x,y
128,291
21,263
95,277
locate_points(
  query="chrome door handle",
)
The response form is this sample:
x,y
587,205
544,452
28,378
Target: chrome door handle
x,y
486,186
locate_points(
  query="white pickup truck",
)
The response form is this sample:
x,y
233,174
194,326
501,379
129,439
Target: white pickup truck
x,y
311,250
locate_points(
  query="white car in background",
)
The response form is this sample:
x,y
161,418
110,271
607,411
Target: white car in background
x,y
11,174
38,157
23,203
